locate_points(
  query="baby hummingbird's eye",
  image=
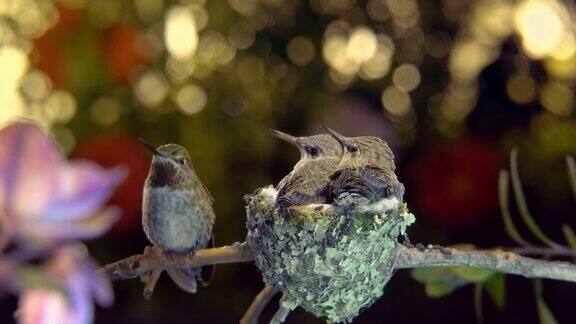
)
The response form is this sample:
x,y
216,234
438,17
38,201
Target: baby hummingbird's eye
x,y
353,149
312,151
181,160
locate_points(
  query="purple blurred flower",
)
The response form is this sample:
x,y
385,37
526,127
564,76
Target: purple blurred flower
x,y
81,283
44,198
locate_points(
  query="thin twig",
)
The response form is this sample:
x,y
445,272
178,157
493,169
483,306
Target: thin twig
x,y
497,260
260,301
155,258
281,313
478,289
523,205
503,187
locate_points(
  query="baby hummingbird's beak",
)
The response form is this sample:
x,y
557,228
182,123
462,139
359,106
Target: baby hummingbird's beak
x,y
151,148
341,139
283,136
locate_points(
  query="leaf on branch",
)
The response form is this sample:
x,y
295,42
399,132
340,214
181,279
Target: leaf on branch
x,y
438,282
503,187
496,287
433,274
544,313
521,202
440,289
475,275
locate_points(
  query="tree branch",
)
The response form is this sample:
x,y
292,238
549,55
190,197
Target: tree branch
x,y
155,257
253,313
497,260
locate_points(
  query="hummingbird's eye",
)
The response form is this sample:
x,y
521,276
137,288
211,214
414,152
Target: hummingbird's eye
x,y
312,151
181,160
353,149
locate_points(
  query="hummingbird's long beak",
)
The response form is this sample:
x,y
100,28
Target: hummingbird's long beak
x,y
150,147
339,137
283,136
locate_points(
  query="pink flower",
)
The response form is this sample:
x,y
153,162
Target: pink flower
x,y
44,198
81,283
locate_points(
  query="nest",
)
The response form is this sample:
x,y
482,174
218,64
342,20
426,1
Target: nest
x,y
331,261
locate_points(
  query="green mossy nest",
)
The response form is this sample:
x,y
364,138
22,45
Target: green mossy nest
x,y
331,261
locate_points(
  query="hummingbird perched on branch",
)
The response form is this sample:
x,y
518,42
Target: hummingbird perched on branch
x,y
367,169
307,182
177,213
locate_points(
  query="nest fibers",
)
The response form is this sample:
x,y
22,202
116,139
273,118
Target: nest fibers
x,y
332,261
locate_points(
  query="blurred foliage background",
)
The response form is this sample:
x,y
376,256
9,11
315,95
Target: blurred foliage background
x,y
452,85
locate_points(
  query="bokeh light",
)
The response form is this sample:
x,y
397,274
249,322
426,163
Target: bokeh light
x,y
539,26
151,88
191,99
301,50
557,98
215,75
521,88
180,33
105,111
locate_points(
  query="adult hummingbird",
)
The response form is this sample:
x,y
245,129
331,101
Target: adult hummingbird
x,y
177,212
367,169
306,184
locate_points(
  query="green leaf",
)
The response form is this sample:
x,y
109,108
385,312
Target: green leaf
x,y
521,202
544,313
439,289
511,230
496,287
475,275
439,281
432,274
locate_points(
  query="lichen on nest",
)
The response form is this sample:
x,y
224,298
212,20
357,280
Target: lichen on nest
x,y
332,261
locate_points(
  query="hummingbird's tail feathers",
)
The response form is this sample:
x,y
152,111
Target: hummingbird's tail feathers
x,y
184,278
207,272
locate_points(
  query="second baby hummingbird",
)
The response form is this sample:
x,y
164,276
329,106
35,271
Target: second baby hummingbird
x,y
367,168
177,213
307,182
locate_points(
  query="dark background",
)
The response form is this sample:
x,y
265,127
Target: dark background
x,y
450,140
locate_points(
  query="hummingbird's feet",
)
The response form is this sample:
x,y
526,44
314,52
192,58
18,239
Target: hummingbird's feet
x,y
151,281
171,254
151,278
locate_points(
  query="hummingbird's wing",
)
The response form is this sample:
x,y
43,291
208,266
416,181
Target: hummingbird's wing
x,y
207,192
294,192
348,181
207,272
184,278
381,181
343,180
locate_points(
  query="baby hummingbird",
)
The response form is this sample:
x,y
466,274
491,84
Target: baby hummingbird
x,y
306,184
177,213
367,168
